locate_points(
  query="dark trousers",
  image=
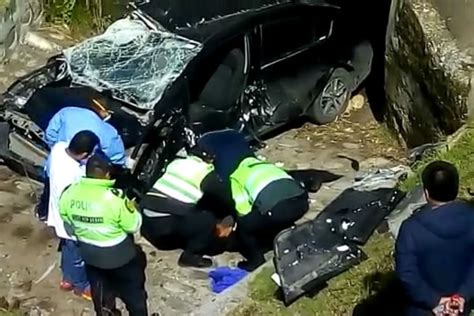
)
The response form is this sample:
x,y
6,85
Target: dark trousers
x,y
256,231
43,204
126,283
193,232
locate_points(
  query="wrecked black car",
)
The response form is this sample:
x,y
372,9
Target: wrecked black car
x,y
173,70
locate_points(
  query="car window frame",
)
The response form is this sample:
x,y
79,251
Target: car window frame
x,y
317,41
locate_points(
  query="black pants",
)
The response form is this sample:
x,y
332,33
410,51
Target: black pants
x,y
256,231
193,232
126,282
42,208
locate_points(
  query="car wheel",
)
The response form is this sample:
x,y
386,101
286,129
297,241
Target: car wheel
x,y
149,163
333,99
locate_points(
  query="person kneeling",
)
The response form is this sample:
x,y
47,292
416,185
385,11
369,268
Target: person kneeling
x,y
172,215
267,199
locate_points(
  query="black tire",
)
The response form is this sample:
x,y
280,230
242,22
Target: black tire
x,y
333,99
149,164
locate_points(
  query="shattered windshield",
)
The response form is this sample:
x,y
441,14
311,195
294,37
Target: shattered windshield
x,y
135,63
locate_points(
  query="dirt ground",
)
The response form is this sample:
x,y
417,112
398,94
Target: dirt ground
x,y
29,272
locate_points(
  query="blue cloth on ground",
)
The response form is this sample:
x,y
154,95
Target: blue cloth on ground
x,y
224,277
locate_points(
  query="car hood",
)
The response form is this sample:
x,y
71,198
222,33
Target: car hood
x,y
132,61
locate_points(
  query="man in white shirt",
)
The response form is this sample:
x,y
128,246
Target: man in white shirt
x,y
66,166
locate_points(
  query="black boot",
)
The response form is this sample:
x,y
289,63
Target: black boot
x,y
193,260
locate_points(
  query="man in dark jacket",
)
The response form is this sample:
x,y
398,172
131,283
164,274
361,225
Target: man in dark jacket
x,y
435,247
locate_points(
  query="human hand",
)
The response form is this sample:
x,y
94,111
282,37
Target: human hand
x,y
440,309
450,306
456,305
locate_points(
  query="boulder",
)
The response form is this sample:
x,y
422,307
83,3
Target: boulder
x,y
427,76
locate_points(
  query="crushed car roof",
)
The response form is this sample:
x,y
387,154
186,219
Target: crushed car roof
x,y
133,62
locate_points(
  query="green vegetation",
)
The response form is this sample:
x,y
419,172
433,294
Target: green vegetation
x,y
83,17
461,154
4,4
370,288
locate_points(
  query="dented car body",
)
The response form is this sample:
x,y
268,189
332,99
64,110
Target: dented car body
x,y
173,70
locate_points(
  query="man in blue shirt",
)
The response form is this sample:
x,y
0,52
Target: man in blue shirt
x,y
68,122
434,251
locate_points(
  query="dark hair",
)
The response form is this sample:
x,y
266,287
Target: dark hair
x,y
83,142
228,221
98,166
441,180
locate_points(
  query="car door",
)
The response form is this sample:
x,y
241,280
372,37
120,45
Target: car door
x,y
290,62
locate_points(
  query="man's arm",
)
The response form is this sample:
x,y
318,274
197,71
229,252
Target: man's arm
x,y
130,220
466,290
407,270
115,149
52,131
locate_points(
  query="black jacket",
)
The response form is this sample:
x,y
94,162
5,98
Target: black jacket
x,y
435,255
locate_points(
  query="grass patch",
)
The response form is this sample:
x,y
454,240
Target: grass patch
x,y
461,154
354,289
386,135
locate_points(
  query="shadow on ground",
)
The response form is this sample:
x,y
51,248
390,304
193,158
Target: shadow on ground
x,y
386,296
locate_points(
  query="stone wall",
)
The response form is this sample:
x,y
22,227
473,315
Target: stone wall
x,y
427,76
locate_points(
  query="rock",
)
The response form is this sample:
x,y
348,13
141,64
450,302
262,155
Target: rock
x,y
356,103
427,79
37,41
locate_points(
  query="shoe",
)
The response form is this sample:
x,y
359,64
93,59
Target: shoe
x,y
65,286
85,294
250,266
192,260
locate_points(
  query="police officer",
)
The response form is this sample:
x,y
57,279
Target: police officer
x,y
175,213
104,221
267,199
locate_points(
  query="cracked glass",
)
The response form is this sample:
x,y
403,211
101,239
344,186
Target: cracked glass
x,y
135,63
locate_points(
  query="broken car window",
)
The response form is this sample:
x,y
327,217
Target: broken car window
x,y
135,63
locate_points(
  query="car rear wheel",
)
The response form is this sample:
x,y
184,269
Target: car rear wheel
x,y
333,99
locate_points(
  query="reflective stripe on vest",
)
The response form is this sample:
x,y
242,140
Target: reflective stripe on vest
x,y
103,243
182,179
249,179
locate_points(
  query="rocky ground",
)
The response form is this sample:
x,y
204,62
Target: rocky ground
x,y
29,272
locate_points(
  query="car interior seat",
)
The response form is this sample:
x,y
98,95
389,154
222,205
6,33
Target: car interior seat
x,y
215,104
